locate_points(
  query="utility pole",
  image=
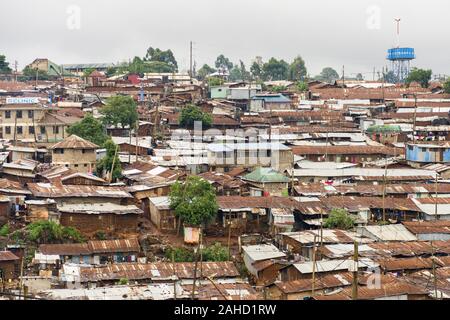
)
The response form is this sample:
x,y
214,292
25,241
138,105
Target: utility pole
x,y
314,267
384,188
343,77
436,198
196,265
137,139
114,162
355,272
397,20
434,270
190,61
415,118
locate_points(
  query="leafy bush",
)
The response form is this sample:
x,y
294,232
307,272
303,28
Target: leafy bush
x,y
194,201
123,282
180,254
339,219
190,114
100,235
213,253
216,252
50,232
4,231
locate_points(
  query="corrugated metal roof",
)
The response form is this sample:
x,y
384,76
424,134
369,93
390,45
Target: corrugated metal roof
x,y
8,256
74,142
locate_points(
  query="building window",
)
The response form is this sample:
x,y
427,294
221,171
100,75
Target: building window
x,y
8,114
19,114
83,151
30,114
76,166
31,130
55,129
85,165
7,130
59,151
42,130
19,130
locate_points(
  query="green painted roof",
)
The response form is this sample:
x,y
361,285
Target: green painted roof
x,y
266,175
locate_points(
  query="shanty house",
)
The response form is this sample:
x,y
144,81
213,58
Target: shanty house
x,y
75,153
9,266
161,215
266,181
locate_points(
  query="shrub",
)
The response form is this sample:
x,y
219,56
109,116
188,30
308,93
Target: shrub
x,y
4,231
339,219
51,232
216,252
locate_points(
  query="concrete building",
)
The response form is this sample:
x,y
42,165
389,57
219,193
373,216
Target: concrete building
x,y
75,153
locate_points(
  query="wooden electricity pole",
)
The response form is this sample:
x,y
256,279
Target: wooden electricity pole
x,y
355,272
314,267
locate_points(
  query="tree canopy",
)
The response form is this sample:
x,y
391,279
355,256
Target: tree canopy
x,y
421,76
204,71
104,165
4,65
120,110
194,201
275,69
297,70
447,86
164,57
328,74
256,70
90,129
339,219
191,113
215,81
239,72
223,63
45,231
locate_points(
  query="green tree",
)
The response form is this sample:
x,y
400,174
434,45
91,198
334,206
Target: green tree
x,y
191,113
194,201
390,77
447,86
215,81
223,63
45,231
30,73
328,74
4,231
88,72
275,69
235,74
90,129
120,110
215,253
278,89
104,165
302,86
111,71
359,77
339,219
297,70
165,57
205,71
256,70
4,66
421,76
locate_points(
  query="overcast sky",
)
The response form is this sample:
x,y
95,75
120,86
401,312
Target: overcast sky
x,y
354,33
